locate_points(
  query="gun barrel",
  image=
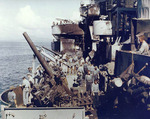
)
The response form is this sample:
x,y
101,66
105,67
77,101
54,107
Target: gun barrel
x,y
44,64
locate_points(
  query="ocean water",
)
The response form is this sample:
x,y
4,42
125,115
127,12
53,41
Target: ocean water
x,y
15,58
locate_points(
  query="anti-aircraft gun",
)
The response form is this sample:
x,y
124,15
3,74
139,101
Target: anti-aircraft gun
x,y
48,92
53,89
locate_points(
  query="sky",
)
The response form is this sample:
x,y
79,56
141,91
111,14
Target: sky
x,y
34,17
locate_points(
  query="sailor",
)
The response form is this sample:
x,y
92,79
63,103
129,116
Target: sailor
x,y
80,69
85,67
59,63
56,59
144,49
81,60
80,74
64,67
64,57
75,59
96,73
70,62
31,80
89,81
12,97
39,74
30,69
95,93
51,63
91,68
26,86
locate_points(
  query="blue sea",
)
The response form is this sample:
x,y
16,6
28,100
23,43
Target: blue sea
x,y
15,58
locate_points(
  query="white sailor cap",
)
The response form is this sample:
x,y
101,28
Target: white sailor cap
x,y
143,33
140,34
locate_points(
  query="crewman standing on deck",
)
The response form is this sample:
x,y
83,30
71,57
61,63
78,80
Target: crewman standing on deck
x,y
26,86
144,49
89,81
91,68
31,80
96,73
95,93
81,61
85,68
71,67
80,75
75,61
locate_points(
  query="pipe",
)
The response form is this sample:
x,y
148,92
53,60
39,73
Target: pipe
x,y
44,64
146,64
48,56
56,54
51,51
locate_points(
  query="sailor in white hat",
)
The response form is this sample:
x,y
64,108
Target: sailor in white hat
x,y
26,85
144,49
